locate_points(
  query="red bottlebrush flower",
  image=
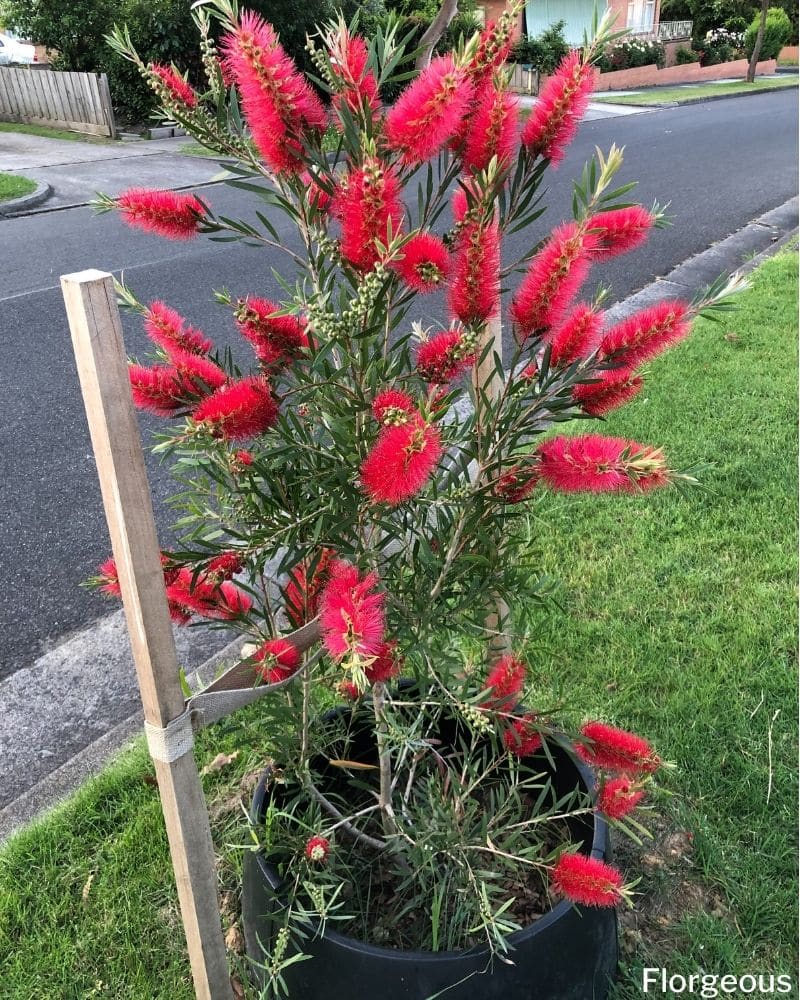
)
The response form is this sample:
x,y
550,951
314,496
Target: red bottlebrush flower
x,y
351,613
577,337
165,213
444,357
401,461
494,48
425,263
618,797
613,388
554,276
621,229
167,328
367,204
529,372
615,749
517,484
275,339
587,881
429,111
392,406
492,129
224,566
239,409
559,108
277,659
243,457
158,390
387,664
176,87
318,198
317,850
199,373
475,287
506,678
647,333
522,738
195,593
349,690
278,102
349,57
304,587
597,464
109,578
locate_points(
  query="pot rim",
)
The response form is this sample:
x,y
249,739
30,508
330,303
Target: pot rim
x,y
600,841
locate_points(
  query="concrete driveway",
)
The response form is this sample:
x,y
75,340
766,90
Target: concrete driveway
x,y
77,170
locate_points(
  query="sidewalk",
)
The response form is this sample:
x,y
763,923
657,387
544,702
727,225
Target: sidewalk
x,y
77,170
595,111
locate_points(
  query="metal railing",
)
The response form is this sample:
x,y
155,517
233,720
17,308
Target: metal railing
x,y
668,31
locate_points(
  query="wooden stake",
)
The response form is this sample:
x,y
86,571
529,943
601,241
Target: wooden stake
x,y
102,367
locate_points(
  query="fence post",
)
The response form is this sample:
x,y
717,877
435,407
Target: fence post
x,y
102,368
108,107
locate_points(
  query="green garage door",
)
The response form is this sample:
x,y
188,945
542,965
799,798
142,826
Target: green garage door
x,y
540,14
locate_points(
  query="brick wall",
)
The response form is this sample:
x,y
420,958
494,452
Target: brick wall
x,y
652,76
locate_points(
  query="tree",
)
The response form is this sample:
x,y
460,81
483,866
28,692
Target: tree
x,y
751,69
434,32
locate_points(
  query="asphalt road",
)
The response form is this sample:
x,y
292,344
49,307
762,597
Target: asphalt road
x,y
719,165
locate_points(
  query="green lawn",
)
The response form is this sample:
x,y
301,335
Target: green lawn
x,y
679,620
687,94
50,133
13,186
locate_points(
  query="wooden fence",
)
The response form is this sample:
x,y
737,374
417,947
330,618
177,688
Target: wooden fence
x,y
79,102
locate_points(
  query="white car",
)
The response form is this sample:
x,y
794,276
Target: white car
x,y
12,50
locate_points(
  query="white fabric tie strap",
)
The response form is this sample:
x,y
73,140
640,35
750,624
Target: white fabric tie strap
x,y
172,742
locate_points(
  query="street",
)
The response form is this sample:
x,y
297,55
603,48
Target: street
x,y
719,165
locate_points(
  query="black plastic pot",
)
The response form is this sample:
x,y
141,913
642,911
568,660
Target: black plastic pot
x,y
567,954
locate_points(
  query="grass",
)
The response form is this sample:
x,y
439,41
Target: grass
x,y
51,133
14,186
692,92
679,621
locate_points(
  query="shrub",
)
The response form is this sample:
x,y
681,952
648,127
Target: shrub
x,y
777,32
631,53
685,56
545,51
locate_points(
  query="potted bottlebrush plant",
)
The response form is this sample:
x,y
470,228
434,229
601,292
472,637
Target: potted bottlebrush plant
x,y
356,476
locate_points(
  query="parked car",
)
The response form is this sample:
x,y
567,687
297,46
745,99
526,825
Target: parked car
x,y
12,50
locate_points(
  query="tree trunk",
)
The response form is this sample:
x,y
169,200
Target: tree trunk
x,y
751,69
434,32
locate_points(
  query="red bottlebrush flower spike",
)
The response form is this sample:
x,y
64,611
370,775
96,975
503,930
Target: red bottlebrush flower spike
x,y
165,213
429,111
618,797
425,263
158,390
559,108
349,56
554,276
108,578
224,566
243,457
444,357
506,678
646,334
597,464
303,589
392,406
175,86
275,339
319,199
199,373
277,660
492,130
621,229
494,48
577,337
348,690
401,461
475,287
367,204
387,664
167,328
522,738
530,372
317,850
278,102
239,409
613,749
517,484
613,388
587,881
211,600
351,613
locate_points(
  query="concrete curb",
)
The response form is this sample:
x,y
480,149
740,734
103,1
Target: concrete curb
x,y
741,251
699,100
18,205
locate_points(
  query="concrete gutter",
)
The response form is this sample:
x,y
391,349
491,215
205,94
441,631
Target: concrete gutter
x,y
23,204
74,683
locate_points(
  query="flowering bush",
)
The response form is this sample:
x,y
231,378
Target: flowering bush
x,y
352,494
630,53
720,46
